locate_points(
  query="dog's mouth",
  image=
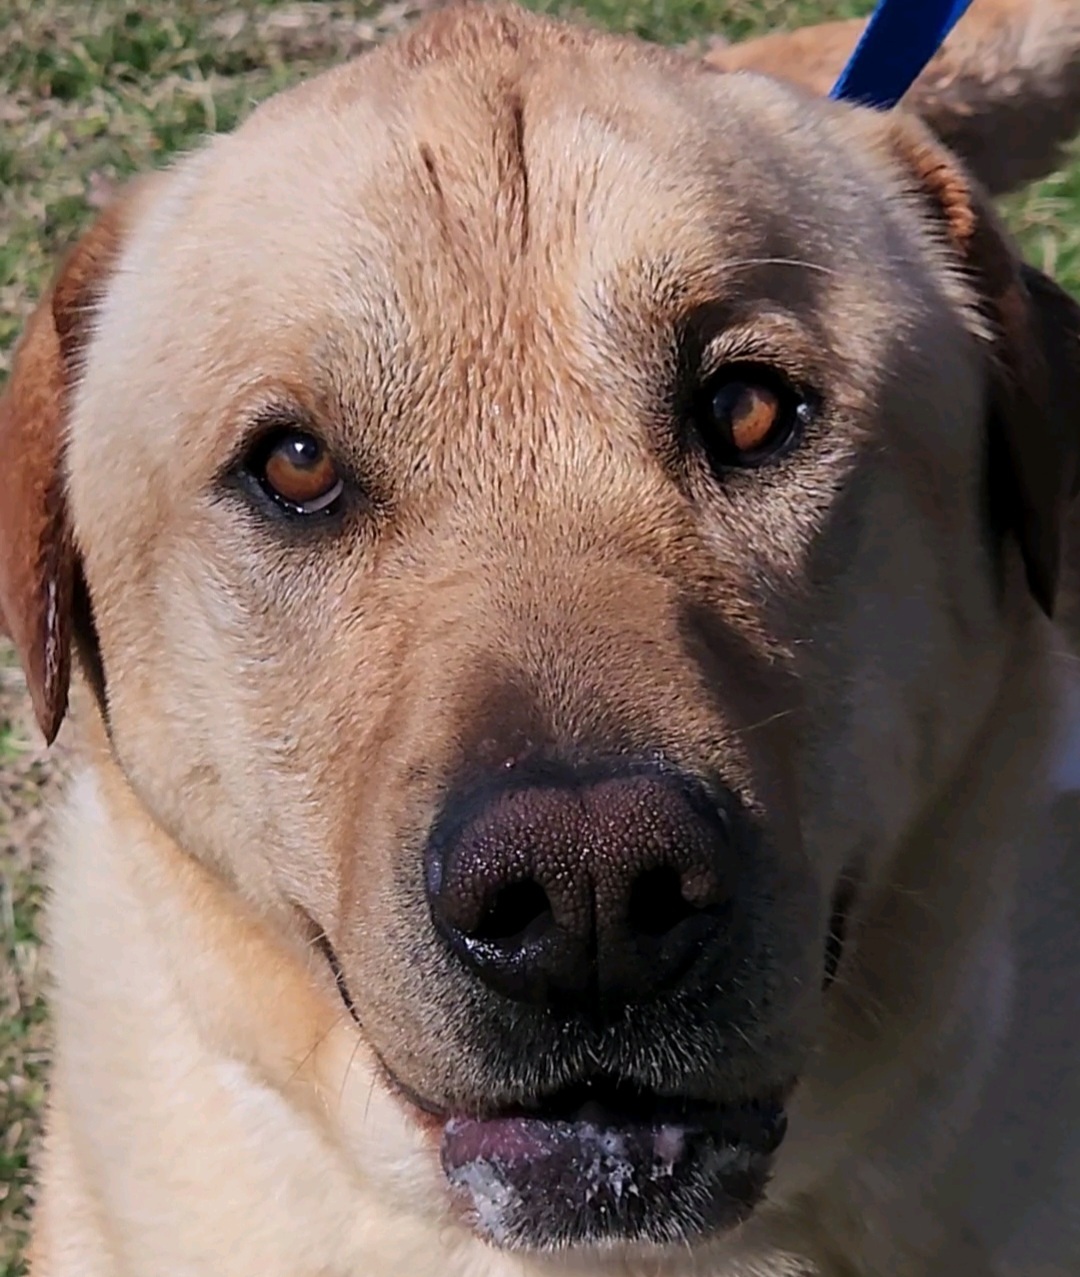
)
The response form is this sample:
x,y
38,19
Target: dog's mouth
x,y
606,1163
603,1162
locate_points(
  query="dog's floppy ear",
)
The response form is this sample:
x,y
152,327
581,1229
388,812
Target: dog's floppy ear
x,y
38,566
1003,93
1033,328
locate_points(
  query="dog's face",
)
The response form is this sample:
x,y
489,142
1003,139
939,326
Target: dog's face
x,y
535,499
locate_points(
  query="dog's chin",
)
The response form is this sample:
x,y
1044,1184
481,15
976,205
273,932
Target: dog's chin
x,y
598,1167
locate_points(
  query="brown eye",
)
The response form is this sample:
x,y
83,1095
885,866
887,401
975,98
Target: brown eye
x,y
297,469
747,416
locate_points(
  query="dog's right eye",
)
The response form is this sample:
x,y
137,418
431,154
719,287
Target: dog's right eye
x,y
296,470
748,414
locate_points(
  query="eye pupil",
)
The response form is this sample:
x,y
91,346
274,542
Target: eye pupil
x,y
302,451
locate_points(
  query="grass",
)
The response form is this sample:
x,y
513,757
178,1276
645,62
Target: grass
x,y
90,93
24,775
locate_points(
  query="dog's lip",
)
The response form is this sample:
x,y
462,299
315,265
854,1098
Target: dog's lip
x,y
582,1168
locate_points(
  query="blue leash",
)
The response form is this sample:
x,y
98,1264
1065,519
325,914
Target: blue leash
x,y
900,39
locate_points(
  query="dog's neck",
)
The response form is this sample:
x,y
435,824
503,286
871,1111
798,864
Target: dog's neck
x,y
931,990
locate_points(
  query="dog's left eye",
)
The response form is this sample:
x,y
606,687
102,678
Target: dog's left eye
x,y
297,470
748,415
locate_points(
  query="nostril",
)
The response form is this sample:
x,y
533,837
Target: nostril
x,y
519,908
657,903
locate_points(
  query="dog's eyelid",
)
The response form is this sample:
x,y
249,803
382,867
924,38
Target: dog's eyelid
x,y
281,418
793,365
763,332
791,373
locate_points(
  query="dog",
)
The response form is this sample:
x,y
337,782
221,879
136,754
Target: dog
x,y
576,771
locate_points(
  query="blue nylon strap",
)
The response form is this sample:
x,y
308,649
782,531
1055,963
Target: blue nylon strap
x,y
899,40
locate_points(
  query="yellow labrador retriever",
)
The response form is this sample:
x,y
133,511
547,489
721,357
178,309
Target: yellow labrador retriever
x,y
558,539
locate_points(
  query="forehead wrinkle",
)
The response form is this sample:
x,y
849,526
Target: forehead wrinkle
x,y
471,141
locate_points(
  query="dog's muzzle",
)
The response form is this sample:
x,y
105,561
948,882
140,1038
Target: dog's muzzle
x,y
575,897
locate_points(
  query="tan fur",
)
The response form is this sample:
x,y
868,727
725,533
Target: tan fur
x,y
463,258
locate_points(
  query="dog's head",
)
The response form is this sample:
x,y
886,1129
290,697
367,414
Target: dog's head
x,y
541,518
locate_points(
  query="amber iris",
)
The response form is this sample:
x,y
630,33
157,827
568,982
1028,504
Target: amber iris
x,y
748,415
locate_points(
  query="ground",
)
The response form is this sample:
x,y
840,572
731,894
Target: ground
x,y
90,93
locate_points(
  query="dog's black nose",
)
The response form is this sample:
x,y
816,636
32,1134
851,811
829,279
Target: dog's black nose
x,y
582,893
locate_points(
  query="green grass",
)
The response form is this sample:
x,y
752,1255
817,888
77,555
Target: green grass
x,y
1047,220
94,90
